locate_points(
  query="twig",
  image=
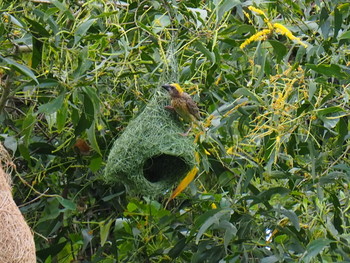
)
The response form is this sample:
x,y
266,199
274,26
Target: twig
x,y
5,91
336,161
36,198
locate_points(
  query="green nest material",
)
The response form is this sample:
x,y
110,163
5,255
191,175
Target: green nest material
x,y
151,155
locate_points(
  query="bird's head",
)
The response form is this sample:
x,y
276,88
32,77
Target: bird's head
x,y
174,89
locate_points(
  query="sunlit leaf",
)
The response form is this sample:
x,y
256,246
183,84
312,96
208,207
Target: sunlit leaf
x,y
184,183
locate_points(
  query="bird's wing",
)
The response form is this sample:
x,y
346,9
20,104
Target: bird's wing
x,y
191,105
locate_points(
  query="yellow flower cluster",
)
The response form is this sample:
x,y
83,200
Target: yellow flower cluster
x,y
261,35
272,27
281,29
256,10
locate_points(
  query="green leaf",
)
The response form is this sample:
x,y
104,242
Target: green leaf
x,y
82,29
15,21
345,35
214,219
338,20
224,6
95,164
67,204
160,22
314,248
37,52
260,60
331,178
247,93
333,109
61,117
51,210
178,248
87,237
202,218
206,52
230,232
266,195
342,129
89,108
291,216
131,207
94,99
270,259
52,106
64,8
83,123
48,83
92,138
104,231
83,63
20,68
24,151
28,125
330,70
42,148
279,49
11,143
37,28
312,89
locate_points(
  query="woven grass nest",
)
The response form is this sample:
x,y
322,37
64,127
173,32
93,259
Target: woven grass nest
x,y
16,239
151,155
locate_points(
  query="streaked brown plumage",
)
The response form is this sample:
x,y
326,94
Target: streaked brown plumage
x,y
182,103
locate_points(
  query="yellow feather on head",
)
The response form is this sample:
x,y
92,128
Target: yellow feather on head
x,y
178,87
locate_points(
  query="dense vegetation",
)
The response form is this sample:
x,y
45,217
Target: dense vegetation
x,y
272,81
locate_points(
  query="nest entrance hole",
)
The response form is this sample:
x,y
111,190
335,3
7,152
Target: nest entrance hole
x,y
164,167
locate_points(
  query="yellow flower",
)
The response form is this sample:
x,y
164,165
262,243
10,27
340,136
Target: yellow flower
x,y
261,35
248,16
256,10
269,24
230,150
206,152
281,29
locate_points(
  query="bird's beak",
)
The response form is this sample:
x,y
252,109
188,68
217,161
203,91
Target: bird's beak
x,y
166,86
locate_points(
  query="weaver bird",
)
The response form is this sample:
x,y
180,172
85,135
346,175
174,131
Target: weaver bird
x,y
182,104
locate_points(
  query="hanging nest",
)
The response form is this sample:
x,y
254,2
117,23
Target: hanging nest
x,y
16,239
151,155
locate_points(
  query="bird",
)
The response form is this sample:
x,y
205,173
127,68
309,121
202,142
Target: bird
x,y
182,104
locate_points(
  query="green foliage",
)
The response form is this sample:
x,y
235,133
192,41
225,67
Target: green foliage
x,y
274,165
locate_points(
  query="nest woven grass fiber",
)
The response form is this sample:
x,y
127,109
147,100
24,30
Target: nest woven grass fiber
x,y
16,239
151,155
